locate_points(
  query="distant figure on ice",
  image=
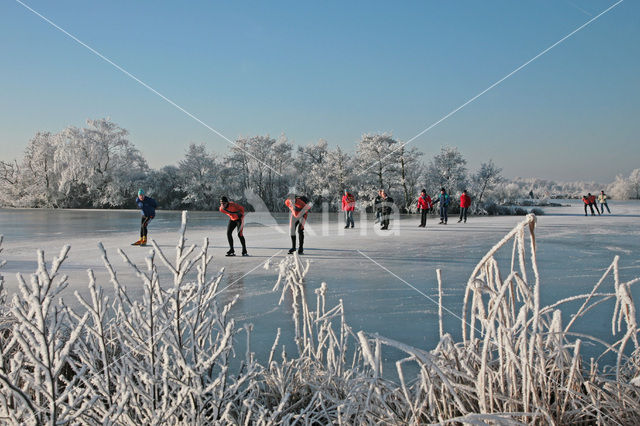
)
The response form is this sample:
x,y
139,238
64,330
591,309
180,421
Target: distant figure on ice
x,y
586,199
377,206
443,199
465,203
602,199
236,221
593,201
424,205
147,206
531,194
386,206
299,207
348,205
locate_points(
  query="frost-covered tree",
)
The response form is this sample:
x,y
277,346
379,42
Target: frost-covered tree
x,y
40,173
166,186
634,182
447,169
198,173
338,174
378,157
409,174
100,163
626,188
262,164
310,164
487,177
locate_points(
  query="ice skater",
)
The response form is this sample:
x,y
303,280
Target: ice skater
x,y
386,206
586,199
299,207
147,206
602,199
236,221
424,205
465,203
348,206
377,206
443,199
594,202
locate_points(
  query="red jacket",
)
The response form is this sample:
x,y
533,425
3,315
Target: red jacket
x,y
234,210
592,199
297,208
348,202
465,201
425,202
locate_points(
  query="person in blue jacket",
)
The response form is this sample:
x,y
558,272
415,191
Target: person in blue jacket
x,y
147,206
443,199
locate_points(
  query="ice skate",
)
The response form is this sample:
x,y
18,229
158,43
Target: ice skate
x,y
230,253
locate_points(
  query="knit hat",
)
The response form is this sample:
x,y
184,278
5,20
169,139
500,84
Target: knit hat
x,y
140,191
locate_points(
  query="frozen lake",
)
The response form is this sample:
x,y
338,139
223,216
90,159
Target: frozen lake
x,y
573,252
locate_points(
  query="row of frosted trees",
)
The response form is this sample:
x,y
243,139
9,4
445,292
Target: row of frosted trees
x,y
98,167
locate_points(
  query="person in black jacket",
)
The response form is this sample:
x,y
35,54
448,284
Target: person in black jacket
x,y
377,206
147,206
387,208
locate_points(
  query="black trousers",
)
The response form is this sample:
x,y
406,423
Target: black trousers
x,y
233,224
300,229
591,207
463,213
143,225
423,217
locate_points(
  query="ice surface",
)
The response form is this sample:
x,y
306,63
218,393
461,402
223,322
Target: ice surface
x,y
573,252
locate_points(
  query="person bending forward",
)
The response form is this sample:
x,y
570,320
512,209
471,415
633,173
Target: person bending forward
x,y
299,207
147,206
236,221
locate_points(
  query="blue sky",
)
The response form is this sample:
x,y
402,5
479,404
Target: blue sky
x,y
335,70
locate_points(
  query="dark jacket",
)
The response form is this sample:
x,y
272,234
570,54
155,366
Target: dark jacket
x,y
387,205
443,199
377,204
147,206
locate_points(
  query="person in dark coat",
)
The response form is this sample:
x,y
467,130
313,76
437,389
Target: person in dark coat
x,y
377,206
443,199
387,208
147,206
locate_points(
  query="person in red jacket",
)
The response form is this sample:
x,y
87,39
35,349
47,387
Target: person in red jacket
x,y
587,203
424,205
299,207
593,203
348,206
236,221
465,203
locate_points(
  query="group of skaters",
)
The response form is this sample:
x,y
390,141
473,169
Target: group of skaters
x,y
426,204
299,207
383,206
591,201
